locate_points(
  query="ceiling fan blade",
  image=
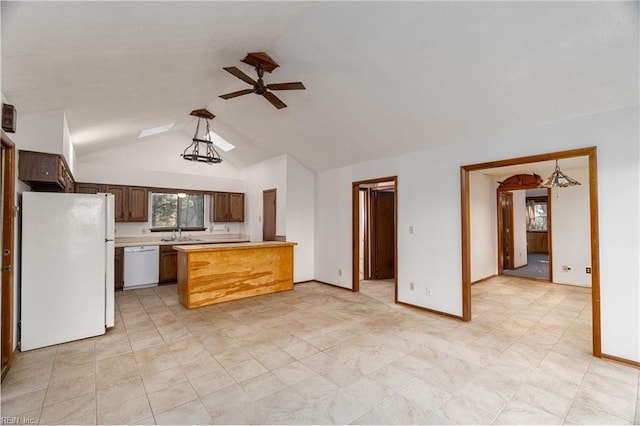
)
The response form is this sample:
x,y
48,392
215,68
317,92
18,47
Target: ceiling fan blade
x,y
286,86
275,101
241,75
238,93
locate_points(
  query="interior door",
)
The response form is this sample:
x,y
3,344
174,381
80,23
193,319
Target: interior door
x,y
506,222
269,215
383,222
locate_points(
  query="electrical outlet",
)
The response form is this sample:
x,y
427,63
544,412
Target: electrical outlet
x,y
565,268
428,291
588,270
339,272
411,286
412,230
144,231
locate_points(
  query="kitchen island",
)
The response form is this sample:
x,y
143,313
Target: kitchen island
x,y
214,273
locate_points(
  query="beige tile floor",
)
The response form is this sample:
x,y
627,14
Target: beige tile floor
x,y
324,355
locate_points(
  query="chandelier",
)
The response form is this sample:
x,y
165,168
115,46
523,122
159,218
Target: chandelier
x,y
201,148
559,179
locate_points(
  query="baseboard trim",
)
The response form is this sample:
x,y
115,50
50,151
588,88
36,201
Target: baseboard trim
x,y
333,285
6,368
432,311
484,279
619,360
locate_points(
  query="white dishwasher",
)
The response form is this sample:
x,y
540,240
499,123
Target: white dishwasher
x,y
141,267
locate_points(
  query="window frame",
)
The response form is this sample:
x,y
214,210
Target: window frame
x,y
178,228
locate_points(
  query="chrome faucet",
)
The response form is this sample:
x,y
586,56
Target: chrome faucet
x,y
179,234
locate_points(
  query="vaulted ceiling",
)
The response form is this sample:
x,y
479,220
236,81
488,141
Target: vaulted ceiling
x,y
382,78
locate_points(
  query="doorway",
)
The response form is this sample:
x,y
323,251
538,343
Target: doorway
x,y
532,237
269,215
7,201
374,226
382,231
591,154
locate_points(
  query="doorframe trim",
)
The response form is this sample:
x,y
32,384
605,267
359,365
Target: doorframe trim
x,y
8,243
591,153
355,232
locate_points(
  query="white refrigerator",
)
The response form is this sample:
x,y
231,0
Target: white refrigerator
x,y
67,288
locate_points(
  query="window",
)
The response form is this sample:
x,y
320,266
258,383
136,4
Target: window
x,y
537,214
177,211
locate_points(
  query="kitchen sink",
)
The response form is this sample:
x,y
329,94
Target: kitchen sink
x,y
180,240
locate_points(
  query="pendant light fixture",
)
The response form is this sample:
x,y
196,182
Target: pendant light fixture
x,y
559,179
201,148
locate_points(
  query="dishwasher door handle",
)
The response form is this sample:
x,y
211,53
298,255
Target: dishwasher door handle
x,y
139,250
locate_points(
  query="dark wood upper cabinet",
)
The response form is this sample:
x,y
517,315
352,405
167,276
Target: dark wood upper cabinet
x,y
220,207
45,172
89,188
130,203
227,207
138,200
236,207
119,199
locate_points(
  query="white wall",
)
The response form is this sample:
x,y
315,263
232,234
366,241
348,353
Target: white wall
x,y
300,217
43,131
137,229
146,161
429,199
68,150
268,174
570,237
155,161
482,207
519,229
295,189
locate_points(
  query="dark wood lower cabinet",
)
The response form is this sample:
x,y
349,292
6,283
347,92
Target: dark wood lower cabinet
x,y
118,264
168,265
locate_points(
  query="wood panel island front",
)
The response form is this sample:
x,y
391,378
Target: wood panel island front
x,y
215,273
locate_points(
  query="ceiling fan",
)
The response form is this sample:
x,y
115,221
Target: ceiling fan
x,y
261,62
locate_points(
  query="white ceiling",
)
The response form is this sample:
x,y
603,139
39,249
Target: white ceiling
x,y
382,78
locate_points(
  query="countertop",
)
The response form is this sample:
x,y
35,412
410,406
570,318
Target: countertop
x,y
197,240
192,248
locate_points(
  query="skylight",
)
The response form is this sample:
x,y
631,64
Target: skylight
x,y
220,142
155,130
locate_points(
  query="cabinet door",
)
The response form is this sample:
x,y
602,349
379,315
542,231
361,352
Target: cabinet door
x,y
236,207
221,207
118,265
89,188
168,265
119,201
138,204
69,185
